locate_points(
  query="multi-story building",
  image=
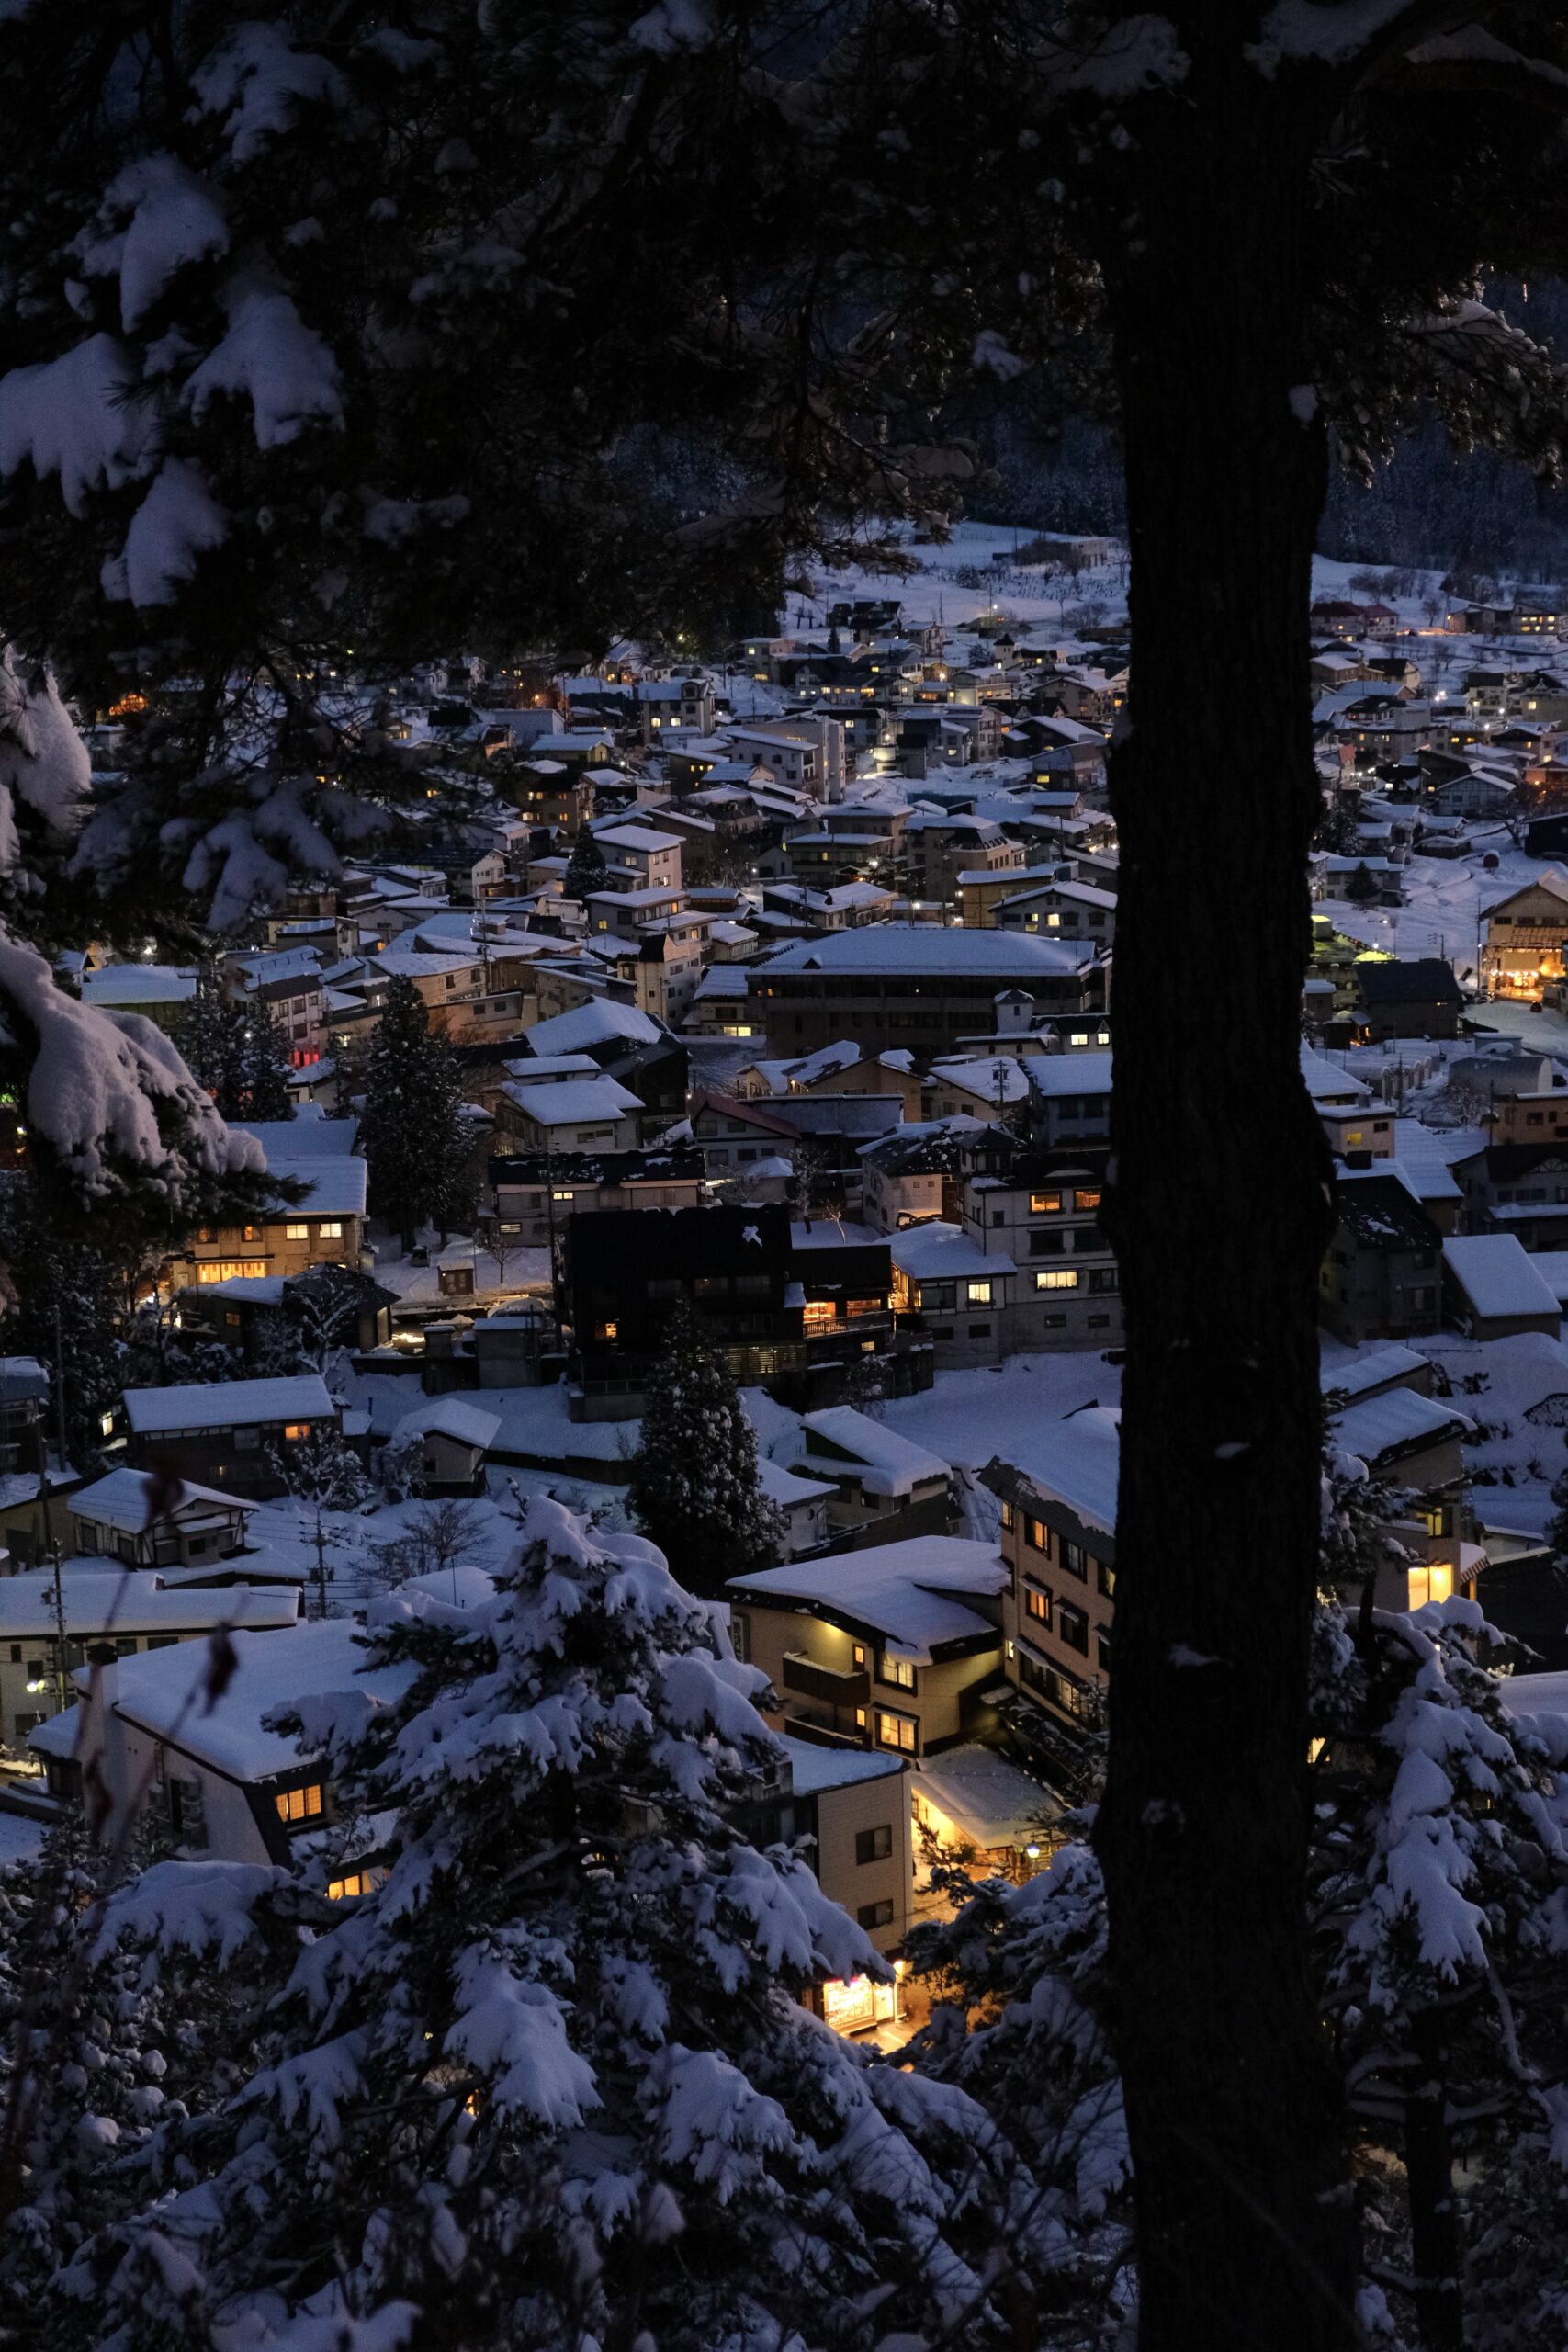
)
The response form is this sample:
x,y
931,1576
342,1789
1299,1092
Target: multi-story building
x,y
1523,937
1381,1278
922,986
235,1435
889,1647
1058,1539
1039,1207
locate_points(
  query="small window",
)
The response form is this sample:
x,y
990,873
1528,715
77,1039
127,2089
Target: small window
x,y
895,1731
295,1430
1105,1576
340,1890
1037,1604
875,1915
295,1806
980,1294
1009,1518
898,1671
1037,1536
1056,1278
331,1230
740,1635
297,1233
1072,1627
873,1845
1045,1204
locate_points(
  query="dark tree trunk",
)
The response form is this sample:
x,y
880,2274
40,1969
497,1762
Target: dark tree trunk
x,y
1435,2250
1220,1213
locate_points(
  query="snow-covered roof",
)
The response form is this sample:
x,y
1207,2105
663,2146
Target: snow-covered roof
x,y
927,950
230,1404
1399,1421
123,1500
134,1600
814,1770
938,1252
451,1417
132,984
1327,1083
1367,1368
1497,1275
990,1800
906,1592
634,837
272,1671
253,1290
783,1486
594,1025
335,1187
894,1464
1084,1072
573,1101
997,1077
1077,1461
531,1072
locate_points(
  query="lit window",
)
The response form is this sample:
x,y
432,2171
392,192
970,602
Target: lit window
x,y
1045,1204
895,1731
339,1889
1435,1582
898,1671
332,1230
297,1233
1009,1516
1083,1200
1037,1604
1057,1278
300,1805
1037,1536
609,1331
294,1430
979,1293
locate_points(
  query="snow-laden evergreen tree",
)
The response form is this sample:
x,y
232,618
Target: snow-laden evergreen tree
x,y
551,2083
66,1300
415,1135
236,1051
695,1485
585,869
323,1468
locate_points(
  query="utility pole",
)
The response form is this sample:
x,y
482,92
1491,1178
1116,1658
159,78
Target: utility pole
x,y
60,1430
59,1699
321,1563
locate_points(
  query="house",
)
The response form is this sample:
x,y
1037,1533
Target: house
x,y
453,1438
1415,1446
1060,910
1351,1120
131,1612
639,857
984,1086
1040,1206
575,1114
843,1275
324,1227
853,1807
1070,1096
801,1503
805,755
1492,1290
230,1434
885,1488
885,1648
535,1194
1519,1188
204,1764
1057,1492
960,1291
150,1523
624,1273
915,985
24,1401
1381,1276
162,993
1408,997
1523,937
913,1174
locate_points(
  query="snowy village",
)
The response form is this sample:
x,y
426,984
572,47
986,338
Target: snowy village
x,y
784,1179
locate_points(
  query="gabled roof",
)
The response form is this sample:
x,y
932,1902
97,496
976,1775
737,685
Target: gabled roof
x,y
123,1500
1378,1213
912,1593
231,1404
1423,977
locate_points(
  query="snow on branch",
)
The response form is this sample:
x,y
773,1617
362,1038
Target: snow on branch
x,y
44,761
108,1094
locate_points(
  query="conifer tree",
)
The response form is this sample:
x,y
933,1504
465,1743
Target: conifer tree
x,y
695,1485
585,869
235,1051
550,2081
412,1127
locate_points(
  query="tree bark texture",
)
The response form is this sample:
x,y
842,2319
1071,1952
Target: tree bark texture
x,y
1220,1212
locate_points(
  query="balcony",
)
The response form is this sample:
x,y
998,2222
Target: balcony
x,y
849,1686
821,1734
